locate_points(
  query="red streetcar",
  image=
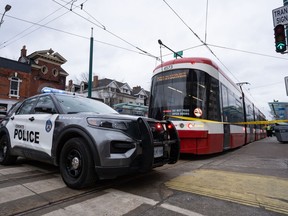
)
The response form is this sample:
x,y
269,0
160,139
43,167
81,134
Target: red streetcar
x,y
209,111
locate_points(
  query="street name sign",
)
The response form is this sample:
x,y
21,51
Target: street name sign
x,y
280,16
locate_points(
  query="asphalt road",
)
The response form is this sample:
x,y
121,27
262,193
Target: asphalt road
x,y
251,180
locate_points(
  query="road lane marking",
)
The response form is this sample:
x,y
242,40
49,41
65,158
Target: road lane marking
x,y
29,189
179,210
248,189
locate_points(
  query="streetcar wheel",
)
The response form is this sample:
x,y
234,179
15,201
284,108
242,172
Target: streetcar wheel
x,y
5,152
76,164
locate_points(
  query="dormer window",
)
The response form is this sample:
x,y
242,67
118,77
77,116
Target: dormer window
x,y
112,89
125,91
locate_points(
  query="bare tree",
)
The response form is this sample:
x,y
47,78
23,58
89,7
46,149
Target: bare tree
x,y
84,76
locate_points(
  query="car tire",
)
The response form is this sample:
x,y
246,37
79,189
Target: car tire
x,y
76,164
5,151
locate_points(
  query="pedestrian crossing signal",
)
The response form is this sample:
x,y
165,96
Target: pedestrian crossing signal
x,y
280,38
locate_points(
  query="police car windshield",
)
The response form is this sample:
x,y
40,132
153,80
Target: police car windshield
x,y
75,104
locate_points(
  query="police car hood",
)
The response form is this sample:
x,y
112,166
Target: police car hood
x,y
116,116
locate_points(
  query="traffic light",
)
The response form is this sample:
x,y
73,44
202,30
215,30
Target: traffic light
x,y
280,38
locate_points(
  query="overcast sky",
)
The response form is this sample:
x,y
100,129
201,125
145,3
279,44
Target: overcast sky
x,y
126,34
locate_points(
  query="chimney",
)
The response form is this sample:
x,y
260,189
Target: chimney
x,y
23,51
95,81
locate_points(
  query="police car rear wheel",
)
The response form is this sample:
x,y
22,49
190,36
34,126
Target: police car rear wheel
x,y
76,164
5,154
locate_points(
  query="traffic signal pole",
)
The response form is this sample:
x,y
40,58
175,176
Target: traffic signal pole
x,y
285,2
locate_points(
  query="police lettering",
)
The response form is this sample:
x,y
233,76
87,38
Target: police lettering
x,y
29,136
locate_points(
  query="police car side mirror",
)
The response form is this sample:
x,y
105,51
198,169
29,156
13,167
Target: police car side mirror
x,y
44,109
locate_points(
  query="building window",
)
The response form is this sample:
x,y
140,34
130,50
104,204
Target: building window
x,y
14,87
44,69
55,72
111,89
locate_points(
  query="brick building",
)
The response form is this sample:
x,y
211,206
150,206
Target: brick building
x,y
27,76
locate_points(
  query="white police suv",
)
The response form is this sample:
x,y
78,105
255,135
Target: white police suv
x,y
87,139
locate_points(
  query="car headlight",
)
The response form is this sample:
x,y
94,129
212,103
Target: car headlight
x,y
107,123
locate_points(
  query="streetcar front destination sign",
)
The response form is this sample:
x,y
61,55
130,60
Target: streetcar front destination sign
x,y
280,16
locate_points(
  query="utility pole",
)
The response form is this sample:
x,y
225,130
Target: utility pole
x,y
90,65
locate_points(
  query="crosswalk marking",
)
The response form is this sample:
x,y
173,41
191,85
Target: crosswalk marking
x,y
14,193
15,170
45,185
114,203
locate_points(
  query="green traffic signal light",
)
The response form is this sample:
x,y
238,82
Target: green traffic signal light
x,y
280,38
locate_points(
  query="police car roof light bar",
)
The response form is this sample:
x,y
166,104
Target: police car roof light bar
x,y
53,90
59,91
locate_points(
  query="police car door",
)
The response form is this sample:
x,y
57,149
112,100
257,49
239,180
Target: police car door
x,y
19,123
34,130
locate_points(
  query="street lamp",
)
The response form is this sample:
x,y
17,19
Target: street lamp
x,y
7,8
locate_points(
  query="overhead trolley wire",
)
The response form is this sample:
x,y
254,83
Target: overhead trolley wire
x,y
206,22
204,43
5,43
101,26
69,33
249,52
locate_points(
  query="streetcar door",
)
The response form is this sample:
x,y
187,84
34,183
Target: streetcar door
x,y
225,110
226,144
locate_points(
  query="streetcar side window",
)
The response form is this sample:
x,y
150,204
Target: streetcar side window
x,y
213,99
225,113
232,106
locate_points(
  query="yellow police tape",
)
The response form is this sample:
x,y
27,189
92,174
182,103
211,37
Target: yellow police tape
x,y
241,123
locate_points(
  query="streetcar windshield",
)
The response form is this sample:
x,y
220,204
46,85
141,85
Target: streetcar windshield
x,y
184,92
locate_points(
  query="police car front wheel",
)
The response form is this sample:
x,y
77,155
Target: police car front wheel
x,y
5,152
76,164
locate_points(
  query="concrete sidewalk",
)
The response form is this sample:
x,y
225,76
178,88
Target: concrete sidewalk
x,y
254,175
